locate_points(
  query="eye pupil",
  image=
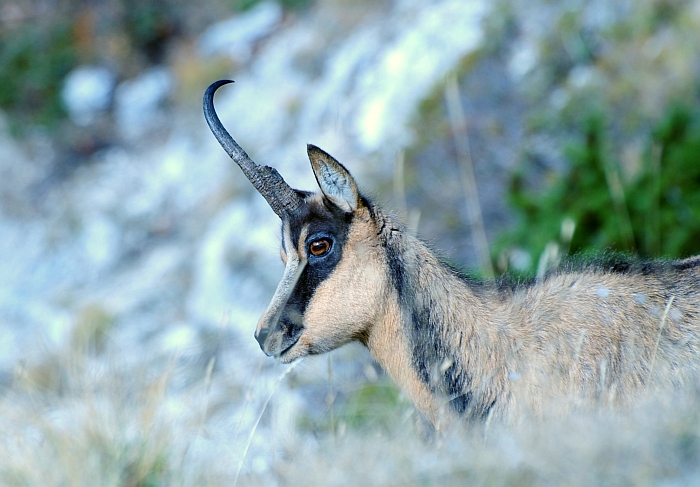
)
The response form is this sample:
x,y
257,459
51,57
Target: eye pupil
x,y
319,247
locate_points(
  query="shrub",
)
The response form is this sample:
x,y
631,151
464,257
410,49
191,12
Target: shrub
x,y
654,212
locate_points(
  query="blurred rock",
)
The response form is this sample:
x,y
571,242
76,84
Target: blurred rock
x,y
355,100
235,268
523,59
404,71
138,102
87,92
236,37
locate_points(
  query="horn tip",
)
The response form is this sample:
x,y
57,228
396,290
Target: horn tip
x,y
216,85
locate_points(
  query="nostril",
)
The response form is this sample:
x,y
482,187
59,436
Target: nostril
x,y
261,337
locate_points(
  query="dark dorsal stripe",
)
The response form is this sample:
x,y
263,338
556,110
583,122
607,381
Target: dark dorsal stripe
x,y
437,364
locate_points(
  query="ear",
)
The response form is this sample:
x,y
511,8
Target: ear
x,y
336,183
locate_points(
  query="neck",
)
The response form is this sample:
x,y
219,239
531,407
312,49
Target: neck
x,y
448,356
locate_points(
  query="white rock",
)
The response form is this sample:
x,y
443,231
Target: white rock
x,y
138,101
236,37
180,338
423,52
101,242
523,59
581,77
87,92
234,271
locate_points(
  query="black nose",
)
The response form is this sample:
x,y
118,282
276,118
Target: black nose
x,y
261,337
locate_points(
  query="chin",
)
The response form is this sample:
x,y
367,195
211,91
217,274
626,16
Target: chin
x,y
290,355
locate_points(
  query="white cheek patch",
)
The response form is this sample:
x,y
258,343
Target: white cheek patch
x,y
292,271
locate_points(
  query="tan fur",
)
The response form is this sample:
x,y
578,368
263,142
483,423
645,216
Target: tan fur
x,y
388,345
595,335
591,336
362,280
587,336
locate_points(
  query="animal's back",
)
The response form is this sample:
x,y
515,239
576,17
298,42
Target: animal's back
x,y
608,331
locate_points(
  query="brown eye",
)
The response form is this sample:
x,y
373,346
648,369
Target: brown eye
x,y
320,246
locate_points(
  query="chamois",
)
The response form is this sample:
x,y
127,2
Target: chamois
x,y
597,332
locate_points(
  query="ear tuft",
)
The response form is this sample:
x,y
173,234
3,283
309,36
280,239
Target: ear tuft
x,y
336,183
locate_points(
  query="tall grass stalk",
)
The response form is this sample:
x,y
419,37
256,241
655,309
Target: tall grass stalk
x,y
617,194
458,124
661,329
259,417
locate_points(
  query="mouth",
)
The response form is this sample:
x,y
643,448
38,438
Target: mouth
x,y
282,356
291,334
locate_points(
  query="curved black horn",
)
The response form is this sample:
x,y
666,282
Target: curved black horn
x,y
281,197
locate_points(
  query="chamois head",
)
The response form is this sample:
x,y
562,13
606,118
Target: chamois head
x,y
333,280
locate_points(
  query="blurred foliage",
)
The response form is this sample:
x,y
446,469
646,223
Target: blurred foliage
x,y
33,61
92,328
374,405
42,42
653,212
368,406
242,5
149,24
665,202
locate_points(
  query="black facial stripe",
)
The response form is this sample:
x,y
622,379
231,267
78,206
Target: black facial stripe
x,y
321,222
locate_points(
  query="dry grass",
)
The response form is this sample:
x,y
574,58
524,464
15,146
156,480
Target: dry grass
x,y
656,442
75,420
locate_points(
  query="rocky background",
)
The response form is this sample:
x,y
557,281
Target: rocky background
x,y
136,258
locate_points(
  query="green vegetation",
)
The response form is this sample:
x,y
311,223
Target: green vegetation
x,y
243,5
368,405
33,62
654,211
37,52
373,405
